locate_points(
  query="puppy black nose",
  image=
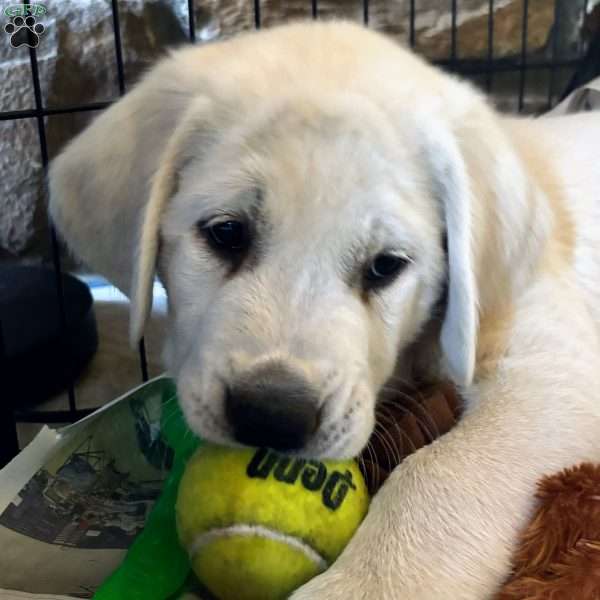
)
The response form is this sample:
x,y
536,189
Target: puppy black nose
x,y
274,407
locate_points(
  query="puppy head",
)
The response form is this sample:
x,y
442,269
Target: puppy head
x,y
297,220
298,259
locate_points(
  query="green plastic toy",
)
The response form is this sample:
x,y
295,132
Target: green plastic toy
x,y
156,567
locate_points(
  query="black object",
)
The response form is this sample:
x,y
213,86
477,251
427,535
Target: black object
x,y
9,440
41,356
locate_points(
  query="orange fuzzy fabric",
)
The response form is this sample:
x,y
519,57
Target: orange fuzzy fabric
x,y
559,554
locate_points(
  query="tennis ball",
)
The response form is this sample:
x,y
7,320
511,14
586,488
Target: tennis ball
x,y
258,524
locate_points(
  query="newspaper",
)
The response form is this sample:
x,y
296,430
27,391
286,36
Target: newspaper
x,y
74,500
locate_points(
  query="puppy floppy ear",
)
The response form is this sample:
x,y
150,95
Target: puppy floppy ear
x,y
109,186
188,141
497,224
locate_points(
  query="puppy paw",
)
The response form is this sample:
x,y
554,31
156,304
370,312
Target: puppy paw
x,y
336,584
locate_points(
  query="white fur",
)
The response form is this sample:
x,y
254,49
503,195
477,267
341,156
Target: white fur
x,y
356,145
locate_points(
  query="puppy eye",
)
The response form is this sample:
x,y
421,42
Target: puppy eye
x,y
384,268
227,237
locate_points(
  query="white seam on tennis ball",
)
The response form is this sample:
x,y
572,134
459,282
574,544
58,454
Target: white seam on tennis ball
x,y
260,531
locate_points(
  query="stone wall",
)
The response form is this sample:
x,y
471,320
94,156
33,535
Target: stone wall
x,y
77,66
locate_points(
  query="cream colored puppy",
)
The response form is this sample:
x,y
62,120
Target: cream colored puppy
x,y
315,199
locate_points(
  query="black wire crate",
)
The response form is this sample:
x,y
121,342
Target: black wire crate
x,y
527,54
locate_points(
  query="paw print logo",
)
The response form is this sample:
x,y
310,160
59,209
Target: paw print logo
x,y
24,31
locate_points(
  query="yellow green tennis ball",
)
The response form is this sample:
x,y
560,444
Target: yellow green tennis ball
x,y
258,524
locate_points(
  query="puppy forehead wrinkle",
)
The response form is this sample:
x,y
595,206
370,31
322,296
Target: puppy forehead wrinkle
x,y
248,203
200,199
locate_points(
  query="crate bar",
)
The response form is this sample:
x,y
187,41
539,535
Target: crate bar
x,y
257,22
192,21
481,68
121,79
453,30
29,113
489,79
555,36
314,6
523,70
413,18
118,46
9,439
468,67
143,360
365,7
41,126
